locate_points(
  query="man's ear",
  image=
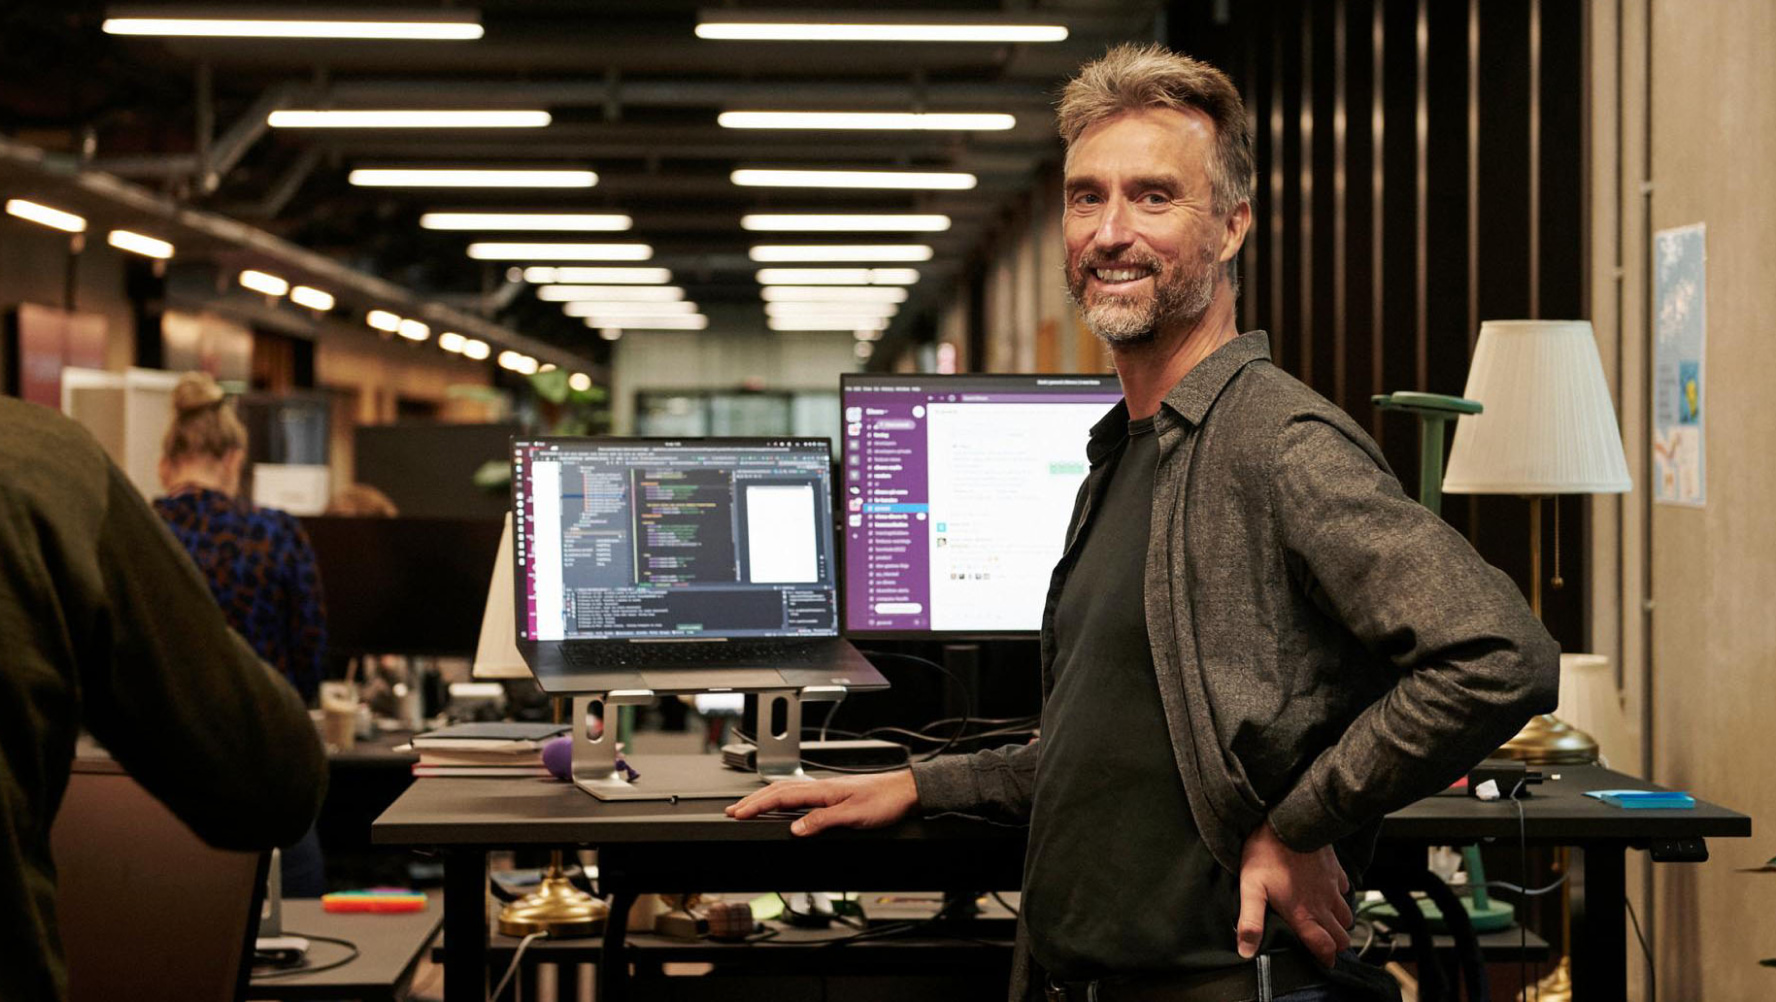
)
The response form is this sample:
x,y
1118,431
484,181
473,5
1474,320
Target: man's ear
x,y
1233,235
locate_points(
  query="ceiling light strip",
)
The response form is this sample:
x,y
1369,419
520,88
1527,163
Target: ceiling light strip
x,y
405,118
498,251
466,177
752,177
899,121
874,222
233,27
609,222
771,253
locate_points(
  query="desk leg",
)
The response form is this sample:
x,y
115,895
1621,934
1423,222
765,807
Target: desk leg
x,y
611,977
465,925
1599,923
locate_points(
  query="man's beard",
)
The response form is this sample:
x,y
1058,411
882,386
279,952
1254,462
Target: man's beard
x,y
1181,295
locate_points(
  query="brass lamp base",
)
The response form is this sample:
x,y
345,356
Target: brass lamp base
x,y
557,908
1548,740
1556,987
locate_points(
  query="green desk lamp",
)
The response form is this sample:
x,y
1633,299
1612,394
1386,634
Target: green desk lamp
x,y
1433,411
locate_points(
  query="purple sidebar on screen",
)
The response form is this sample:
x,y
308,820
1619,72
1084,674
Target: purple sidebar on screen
x,y
886,500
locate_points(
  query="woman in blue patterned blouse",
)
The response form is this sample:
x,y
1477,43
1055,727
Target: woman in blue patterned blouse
x,y
258,561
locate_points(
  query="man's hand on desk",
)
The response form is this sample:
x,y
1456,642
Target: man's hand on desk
x,y
847,802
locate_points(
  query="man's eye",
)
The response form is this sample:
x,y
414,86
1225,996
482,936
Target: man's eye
x,y
1085,198
1154,198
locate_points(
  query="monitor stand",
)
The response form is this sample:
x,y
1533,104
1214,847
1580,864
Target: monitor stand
x,y
687,777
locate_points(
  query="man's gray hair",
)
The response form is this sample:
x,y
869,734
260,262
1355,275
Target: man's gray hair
x,y
1133,77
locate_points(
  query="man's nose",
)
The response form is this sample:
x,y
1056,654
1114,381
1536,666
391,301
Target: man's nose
x,y
1113,232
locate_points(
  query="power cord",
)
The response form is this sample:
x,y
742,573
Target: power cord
x,y
967,698
305,968
512,968
1523,988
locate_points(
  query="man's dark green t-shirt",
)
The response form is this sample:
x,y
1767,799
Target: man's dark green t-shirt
x,y
1117,880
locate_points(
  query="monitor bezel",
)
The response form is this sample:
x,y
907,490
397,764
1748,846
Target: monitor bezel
x,y
846,380
521,614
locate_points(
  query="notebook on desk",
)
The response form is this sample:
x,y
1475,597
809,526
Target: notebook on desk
x,y
693,565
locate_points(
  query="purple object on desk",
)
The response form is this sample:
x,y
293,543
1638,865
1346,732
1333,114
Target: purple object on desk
x,y
558,758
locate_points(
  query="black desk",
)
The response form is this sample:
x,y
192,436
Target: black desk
x,y
388,948
692,846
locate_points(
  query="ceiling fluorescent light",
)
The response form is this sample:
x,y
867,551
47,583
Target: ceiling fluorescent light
x,y
832,294
629,309
67,222
544,275
901,121
808,222
888,179
837,276
475,348
424,27
721,26
413,330
260,281
691,323
383,320
840,252
137,243
405,118
452,342
576,221
831,309
610,293
826,323
454,177
559,252
311,297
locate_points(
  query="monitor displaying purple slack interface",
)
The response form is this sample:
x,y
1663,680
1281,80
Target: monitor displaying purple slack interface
x,y
955,495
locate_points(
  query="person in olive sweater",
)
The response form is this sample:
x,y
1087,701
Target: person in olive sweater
x,y
108,625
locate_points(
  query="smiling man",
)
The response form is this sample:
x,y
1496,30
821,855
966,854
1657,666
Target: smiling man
x,y
1254,646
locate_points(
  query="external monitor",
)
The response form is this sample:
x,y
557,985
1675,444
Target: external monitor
x,y
956,492
657,538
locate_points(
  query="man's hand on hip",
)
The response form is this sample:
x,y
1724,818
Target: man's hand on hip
x,y
1306,888
847,802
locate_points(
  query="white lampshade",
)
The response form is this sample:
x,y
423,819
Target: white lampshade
x,y
1548,427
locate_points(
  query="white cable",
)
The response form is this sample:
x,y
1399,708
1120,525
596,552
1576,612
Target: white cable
x,y
512,968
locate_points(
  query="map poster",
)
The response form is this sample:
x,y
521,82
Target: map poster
x,y
1680,326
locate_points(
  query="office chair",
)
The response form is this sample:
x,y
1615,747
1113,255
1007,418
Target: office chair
x,y
146,910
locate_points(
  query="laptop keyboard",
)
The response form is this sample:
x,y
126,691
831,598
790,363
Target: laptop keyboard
x,y
774,654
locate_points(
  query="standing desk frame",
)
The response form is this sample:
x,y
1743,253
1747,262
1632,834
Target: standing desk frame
x,y
663,847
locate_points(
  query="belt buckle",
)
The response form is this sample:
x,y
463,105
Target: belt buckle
x,y
1054,991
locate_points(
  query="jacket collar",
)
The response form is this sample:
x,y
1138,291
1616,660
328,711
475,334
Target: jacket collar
x,y
1191,398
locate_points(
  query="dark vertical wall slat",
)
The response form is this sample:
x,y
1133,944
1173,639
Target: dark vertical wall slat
x,y
1377,177
1421,147
1322,106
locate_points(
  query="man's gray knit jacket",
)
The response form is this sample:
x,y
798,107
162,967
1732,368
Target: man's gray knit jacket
x,y
1328,650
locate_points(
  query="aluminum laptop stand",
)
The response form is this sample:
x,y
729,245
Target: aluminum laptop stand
x,y
779,744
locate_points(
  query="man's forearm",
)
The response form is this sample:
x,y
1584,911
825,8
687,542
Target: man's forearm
x,y
998,783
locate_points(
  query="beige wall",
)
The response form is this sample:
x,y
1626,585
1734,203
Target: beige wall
x,y
1712,571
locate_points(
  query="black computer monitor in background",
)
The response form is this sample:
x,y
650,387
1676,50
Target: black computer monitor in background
x,y
404,585
955,497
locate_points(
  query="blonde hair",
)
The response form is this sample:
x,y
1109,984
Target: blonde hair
x,y
203,422
362,500
1134,77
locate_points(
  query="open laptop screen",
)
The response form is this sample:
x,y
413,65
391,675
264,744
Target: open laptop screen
x,y
620,538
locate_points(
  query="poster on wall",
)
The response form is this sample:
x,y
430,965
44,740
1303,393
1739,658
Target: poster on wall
x,y
1680,326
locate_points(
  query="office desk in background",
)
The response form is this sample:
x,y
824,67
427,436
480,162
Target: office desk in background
x,y
389,946
691,846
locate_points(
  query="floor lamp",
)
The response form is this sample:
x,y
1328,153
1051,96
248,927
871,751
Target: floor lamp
x,y
1548,428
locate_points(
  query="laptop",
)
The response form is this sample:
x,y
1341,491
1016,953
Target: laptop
x,y
679,565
